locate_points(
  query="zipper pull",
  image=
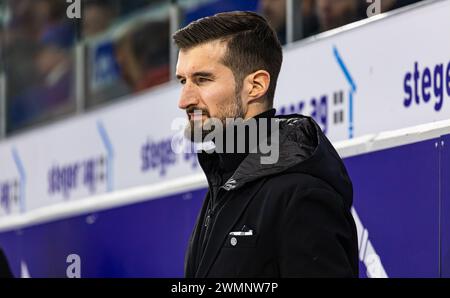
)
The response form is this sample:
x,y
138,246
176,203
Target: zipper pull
x,y
208,217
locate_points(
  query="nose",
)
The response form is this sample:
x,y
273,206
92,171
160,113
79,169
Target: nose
x,y
188,96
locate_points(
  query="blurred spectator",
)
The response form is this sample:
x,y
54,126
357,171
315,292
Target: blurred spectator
x,y
104,82
49,12
51,18
131,61
196,9
315,16
304,17
39,67
98,15
275,13
50,93
335,13
308,17
22,21
54,65
143,55
387,5
131,6
37,43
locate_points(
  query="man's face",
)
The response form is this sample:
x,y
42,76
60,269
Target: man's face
x,y
208,86
335,13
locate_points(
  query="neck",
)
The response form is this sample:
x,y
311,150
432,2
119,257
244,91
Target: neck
x,y
228,162
255,112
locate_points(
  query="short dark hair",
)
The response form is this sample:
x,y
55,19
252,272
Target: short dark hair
x,y
251,44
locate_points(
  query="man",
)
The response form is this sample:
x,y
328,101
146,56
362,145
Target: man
x,y
287,219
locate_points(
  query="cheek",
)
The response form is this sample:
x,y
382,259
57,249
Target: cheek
x,y
216,96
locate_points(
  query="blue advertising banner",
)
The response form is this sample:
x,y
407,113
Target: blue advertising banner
x,y
396,195
146,239
397,209
396,203
445,206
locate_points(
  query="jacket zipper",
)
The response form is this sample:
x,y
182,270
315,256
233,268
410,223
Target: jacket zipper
x,y
211,210
209,217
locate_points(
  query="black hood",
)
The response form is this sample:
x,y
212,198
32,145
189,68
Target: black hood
x,y
303,149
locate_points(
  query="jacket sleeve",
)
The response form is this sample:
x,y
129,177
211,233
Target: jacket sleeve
x,y
5,272
318,236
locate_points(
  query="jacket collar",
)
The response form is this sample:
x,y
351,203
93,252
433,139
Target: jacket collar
x,y
223,165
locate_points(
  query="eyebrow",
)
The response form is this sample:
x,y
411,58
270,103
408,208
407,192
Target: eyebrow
x,y
198,74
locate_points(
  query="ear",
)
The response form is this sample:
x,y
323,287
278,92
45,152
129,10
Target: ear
x,y
257,84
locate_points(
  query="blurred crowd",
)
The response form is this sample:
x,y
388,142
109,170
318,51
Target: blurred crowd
x,y
37,46
316,16
38,57
36,43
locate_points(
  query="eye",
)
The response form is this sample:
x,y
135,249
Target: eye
x,y
203,80
182,81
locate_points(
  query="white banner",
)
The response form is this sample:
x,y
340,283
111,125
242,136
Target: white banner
x,y
395,70
390,73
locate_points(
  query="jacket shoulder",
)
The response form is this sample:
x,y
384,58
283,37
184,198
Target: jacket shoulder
x,y
294,188
296,181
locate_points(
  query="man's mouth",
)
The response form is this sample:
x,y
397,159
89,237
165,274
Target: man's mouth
x,y
196,116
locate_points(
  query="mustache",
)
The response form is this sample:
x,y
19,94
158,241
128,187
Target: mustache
x,y
192,110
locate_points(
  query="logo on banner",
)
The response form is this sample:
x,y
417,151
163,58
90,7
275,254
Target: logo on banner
x,y
427,85
367,253
66,178
316,107
9,195
12,189
338,100
338,103
90,173
159,156
319,107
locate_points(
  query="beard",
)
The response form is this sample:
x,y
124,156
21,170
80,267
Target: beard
x,y
197,130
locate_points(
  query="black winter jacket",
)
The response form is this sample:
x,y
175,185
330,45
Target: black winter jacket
x,y
4,267
298,210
